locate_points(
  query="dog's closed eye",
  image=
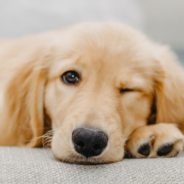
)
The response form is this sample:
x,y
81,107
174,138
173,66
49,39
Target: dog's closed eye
x,y
126,90
71,77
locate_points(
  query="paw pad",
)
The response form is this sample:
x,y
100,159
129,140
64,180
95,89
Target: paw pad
x,y
144,149
164,150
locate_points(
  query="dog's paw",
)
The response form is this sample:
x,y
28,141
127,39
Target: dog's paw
x,y
160,140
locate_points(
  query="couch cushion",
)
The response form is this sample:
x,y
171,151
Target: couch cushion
x,y
37,166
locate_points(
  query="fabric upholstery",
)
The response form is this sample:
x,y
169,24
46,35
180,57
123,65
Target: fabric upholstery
x,y
37,166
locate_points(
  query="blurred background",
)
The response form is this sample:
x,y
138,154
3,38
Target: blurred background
x,y
162,20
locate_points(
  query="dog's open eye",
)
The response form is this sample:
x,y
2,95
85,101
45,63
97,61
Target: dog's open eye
x,y
126,90
71,77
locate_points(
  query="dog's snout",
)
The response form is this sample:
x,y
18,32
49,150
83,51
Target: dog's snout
x,y
89,142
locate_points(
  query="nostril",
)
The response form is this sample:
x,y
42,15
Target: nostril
x,y
80,144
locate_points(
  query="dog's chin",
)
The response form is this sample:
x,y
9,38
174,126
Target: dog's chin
x,y
77,159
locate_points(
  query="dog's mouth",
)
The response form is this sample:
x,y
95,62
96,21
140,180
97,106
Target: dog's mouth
x,y
77,159
87,146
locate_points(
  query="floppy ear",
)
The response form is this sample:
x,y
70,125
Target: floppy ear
x,y
23,112
169,89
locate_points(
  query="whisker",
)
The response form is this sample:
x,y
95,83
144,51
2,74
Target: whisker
x,y
47,138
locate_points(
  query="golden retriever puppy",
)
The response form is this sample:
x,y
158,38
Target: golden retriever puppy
x,y
103,89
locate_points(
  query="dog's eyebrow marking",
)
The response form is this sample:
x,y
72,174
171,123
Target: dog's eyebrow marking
x,y
153,114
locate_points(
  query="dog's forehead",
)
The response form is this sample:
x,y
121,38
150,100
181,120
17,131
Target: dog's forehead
x,y
107,44
119,58
106,49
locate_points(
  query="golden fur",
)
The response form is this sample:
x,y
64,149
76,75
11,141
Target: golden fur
x,y
109,56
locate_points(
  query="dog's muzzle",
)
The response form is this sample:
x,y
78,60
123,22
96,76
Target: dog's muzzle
x,y
89,142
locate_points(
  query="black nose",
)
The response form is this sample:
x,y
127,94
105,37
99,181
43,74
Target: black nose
x,y
89,142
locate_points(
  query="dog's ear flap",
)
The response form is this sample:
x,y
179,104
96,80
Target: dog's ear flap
x,y
23,112
169,87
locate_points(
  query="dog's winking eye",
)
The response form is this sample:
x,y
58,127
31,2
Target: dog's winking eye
x,y
71,77
126,90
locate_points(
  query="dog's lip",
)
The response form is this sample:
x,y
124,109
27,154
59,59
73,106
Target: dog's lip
x,y
86,162
80,160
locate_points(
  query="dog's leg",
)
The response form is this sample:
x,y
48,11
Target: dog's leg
x,y
159,140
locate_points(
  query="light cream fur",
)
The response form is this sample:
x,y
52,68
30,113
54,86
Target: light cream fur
x,y
109,56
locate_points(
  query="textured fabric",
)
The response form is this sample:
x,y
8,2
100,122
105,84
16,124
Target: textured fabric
x,y
37,166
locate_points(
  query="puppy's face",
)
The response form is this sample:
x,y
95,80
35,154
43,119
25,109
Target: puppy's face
x,y
100,89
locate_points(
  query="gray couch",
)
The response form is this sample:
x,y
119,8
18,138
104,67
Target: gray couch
x,y
37,166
